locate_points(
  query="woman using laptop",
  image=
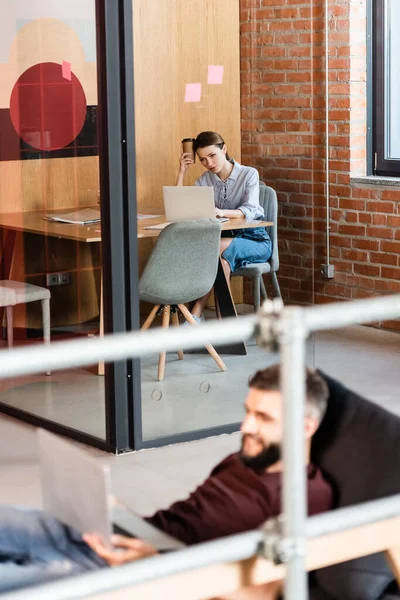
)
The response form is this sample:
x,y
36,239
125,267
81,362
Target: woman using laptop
x,y
236,196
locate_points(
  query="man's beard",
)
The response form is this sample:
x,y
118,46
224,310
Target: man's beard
x,y
264,459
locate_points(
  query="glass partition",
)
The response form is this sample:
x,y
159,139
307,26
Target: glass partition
x,y
50,232
258,77
210,67
300,114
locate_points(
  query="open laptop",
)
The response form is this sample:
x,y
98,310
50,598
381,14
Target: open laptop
x,y
76,490
182,203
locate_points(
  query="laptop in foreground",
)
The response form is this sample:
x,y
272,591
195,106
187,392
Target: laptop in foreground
x,y
76,489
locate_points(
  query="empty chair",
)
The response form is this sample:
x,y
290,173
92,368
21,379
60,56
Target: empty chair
x,y
16,292
269,202
182,267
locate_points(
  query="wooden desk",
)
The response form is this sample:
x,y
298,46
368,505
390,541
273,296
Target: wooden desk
x,y
33,222
230,225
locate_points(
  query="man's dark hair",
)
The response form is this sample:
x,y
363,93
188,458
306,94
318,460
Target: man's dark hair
x,y
316,388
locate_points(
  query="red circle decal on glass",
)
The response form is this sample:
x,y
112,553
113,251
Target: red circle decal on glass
x,y
47,109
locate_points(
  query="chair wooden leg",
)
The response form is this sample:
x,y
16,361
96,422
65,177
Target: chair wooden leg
x,y
275,284
150,318
46,323
210,349
10,326
163,355
175,321
256,293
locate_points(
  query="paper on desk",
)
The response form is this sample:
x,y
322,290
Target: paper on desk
x,y
160,226
140,216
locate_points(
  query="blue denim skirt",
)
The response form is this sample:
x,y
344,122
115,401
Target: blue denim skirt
x,y
248,246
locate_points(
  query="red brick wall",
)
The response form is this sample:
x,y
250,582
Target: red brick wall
x,y
283,136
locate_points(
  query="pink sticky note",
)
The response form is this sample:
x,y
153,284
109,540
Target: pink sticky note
x,y
66,70
193,92
215,74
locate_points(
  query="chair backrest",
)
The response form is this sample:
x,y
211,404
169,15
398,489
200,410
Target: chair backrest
x,y
183,265
357,447
269,202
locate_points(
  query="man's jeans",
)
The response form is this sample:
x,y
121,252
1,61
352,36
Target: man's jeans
x,y
36,548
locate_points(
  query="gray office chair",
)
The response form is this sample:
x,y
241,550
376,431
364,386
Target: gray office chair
x,y
269,202
182,267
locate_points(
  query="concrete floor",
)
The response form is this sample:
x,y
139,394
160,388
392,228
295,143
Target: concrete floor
x,y
195,394
365,359
74,398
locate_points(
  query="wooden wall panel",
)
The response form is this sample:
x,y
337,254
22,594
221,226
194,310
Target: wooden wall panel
x,y
48,183
174,42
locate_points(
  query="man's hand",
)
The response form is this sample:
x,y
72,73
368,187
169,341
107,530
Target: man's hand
x,y
130,549
219,213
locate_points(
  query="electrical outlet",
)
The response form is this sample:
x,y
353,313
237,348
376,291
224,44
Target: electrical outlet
x,y
328,271
58,279
64,278
51,279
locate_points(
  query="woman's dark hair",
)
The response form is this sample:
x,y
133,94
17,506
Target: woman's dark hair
x,y
209,138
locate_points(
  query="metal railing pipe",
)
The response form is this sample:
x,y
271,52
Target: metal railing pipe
x,y
235,548
120,346
64,355
353,516
230,549
291,328
292,347
342,314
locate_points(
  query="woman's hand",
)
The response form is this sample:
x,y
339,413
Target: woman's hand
x,y
126,549
185,161
229,213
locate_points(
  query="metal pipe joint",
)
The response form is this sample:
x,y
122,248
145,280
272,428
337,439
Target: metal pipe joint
x,y
291,326
272,536
270,313
277,548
